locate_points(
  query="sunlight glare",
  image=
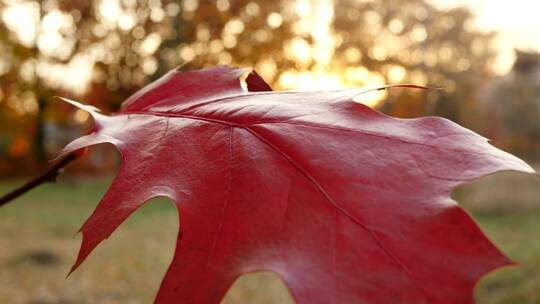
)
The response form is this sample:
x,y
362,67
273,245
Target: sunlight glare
x,y
22,18
81,116
50,40
150,44
110,10
316,20
274,20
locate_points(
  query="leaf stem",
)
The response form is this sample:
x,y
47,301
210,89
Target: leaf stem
x,y
48,175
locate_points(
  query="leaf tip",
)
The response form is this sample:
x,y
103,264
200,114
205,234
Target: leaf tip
x,y
183,66
88,108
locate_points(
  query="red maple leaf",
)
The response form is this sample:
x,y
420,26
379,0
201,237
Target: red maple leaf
x,y
346,204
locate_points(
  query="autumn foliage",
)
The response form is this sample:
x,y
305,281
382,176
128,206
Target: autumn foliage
x,y
346,204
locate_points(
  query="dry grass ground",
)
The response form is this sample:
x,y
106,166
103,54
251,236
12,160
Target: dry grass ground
x,y
38,244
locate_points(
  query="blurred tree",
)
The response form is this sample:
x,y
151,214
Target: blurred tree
x,y
413,41
513,102
104,50
243,33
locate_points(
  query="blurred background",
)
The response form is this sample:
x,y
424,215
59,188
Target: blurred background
x,y
484,54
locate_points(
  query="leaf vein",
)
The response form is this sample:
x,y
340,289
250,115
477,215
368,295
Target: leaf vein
x,y
226,201
319,187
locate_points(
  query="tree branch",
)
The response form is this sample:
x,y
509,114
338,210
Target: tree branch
x,y
48,175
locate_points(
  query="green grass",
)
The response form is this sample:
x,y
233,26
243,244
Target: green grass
x,y
517,234
38,244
